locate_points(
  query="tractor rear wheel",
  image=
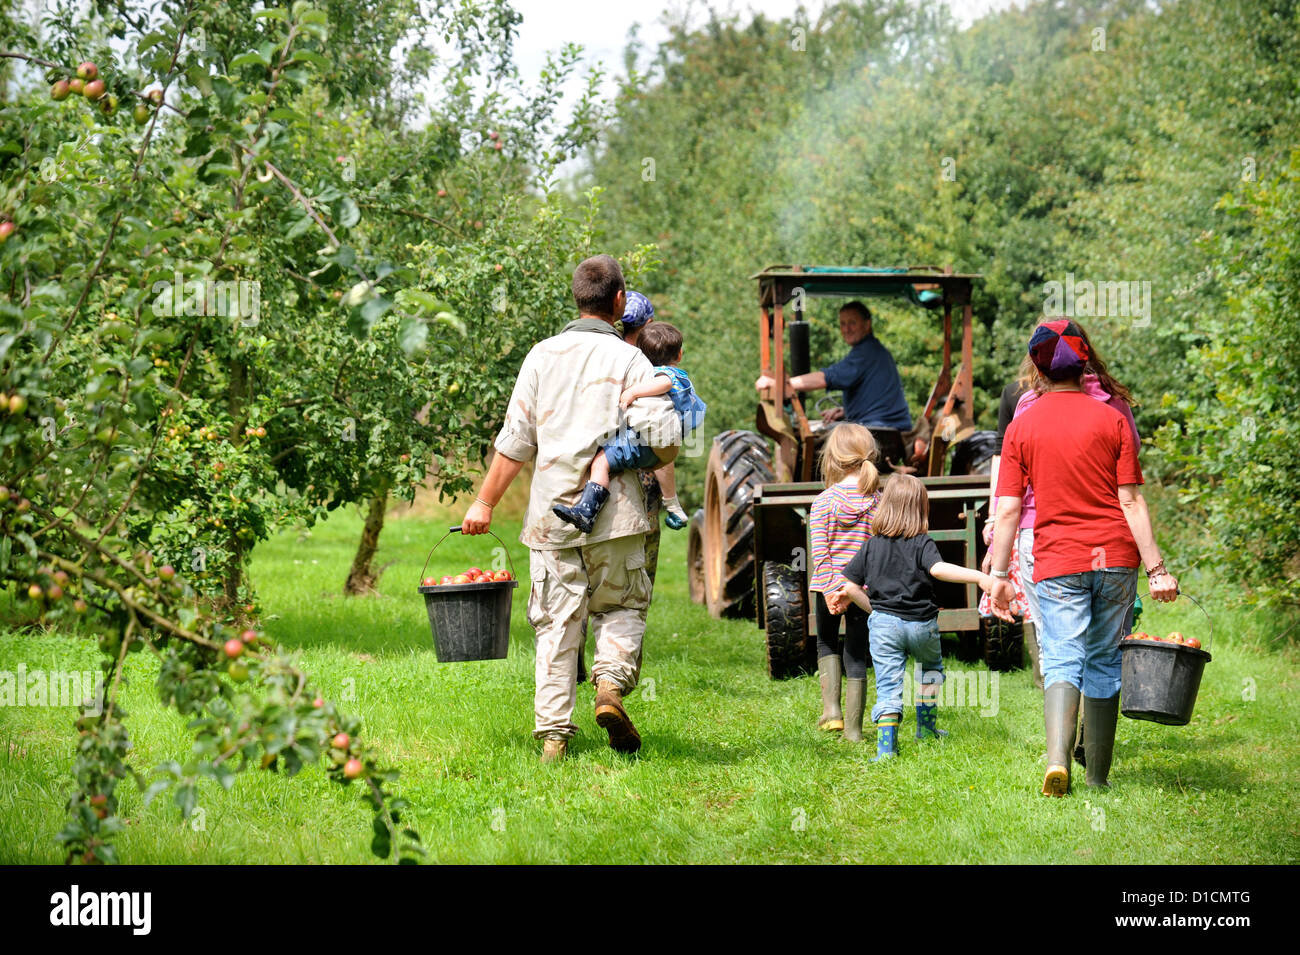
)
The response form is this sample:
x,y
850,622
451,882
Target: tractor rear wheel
x,y
784,614
695,557
739,464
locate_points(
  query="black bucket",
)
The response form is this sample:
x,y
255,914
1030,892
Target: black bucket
x,y
469,621
1160,680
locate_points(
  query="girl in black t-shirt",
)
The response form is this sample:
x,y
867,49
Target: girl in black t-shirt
x,y
898,565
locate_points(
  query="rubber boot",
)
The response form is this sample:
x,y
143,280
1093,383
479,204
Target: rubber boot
x,y
887,737
1100,717
855,704
829,672
583,514
1081,754
1035,653
1060,717
927,714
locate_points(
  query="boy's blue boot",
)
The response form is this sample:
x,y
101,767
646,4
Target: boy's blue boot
x,y
583,514
926,715
886,738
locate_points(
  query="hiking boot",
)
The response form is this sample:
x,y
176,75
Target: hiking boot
x,y
829,671
1060,720
554,750
583,514
612,718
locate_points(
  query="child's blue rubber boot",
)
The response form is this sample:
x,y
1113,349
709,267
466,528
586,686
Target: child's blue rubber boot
x,y
583,514
926,715
886,738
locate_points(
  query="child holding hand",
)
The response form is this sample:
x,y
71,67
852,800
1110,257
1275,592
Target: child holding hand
x,y
661,343
899,564
839,521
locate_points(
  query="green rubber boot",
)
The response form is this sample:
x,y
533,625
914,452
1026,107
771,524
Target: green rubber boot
x,y
1100,717
1060,718
829,673
855,703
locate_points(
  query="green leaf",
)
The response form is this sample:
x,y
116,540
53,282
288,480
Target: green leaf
x,y
348,213
251,58
154,789
310,56
413,335
299,227
374,309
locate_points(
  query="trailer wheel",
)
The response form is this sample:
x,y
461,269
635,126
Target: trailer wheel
x,y
695,556
784,615
739,464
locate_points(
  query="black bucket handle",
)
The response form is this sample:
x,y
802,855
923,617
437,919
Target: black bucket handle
x,y
1196,603
456,529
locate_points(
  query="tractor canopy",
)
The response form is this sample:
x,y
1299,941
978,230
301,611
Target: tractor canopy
x,y
925,286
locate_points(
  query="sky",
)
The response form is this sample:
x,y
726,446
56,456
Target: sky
x,y
601,26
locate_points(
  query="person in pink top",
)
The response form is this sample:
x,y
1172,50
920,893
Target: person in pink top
x,y
839,523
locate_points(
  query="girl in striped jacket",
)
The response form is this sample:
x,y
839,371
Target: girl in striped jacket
x,y
839,524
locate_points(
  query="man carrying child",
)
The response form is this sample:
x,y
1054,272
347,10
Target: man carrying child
x,y
565,403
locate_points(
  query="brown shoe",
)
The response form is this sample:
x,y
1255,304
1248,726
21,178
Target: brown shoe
x,y
611,717
553,750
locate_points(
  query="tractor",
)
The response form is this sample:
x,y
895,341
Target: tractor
x,y
748,546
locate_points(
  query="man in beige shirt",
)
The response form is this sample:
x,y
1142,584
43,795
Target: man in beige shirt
x,y
565,404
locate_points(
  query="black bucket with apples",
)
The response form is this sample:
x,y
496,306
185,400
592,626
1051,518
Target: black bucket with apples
x,y
469,613
1160,676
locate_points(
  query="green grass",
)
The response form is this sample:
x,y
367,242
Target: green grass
x,y
732,769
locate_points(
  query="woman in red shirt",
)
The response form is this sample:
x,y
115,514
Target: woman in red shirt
x,y
1090,533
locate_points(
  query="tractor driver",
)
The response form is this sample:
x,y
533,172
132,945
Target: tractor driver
x,y
867,375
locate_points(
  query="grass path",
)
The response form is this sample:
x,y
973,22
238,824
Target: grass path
x,y
732,770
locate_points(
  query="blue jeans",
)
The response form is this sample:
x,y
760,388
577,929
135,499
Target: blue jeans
x,y
893,639
1084,617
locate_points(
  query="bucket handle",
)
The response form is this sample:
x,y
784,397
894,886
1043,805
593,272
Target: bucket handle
x,y
1208,619
456,529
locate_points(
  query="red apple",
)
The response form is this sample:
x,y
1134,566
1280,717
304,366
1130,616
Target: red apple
x,y
458,579
35,592
352,768
87,71
429,582
318,702
1175,637
234,647
341,741
60,90
446,579
77,85
1193,643
94,89
474,572
166,572
442,193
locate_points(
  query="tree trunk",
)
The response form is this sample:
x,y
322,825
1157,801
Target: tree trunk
x,y
361,578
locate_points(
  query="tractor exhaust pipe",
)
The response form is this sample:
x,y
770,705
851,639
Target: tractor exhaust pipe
x,y
800,361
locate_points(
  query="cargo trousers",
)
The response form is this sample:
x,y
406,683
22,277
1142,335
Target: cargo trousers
x,y
607,581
